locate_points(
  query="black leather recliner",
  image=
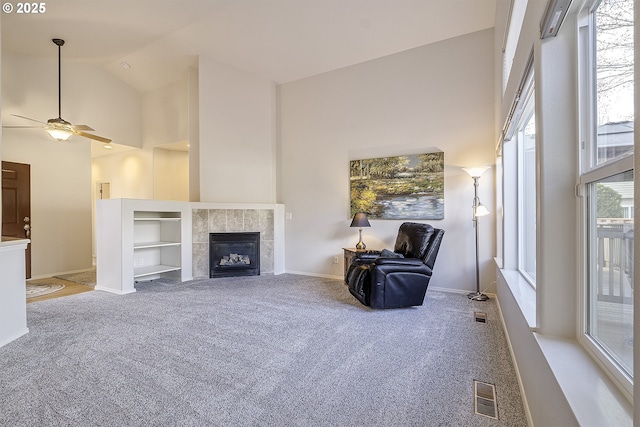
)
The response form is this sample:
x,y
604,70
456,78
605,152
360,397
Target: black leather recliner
x,y
385,279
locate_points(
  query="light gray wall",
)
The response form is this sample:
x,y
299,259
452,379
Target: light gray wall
x,y
439,95
194,135
237,135
165,120
165,114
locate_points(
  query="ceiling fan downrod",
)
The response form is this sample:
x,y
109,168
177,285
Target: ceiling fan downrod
x,y
59,43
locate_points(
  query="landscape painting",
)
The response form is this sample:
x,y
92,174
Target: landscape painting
x,y
401,187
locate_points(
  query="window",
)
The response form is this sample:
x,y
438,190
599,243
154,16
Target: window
x,y
610,239
519,182
607,117
613,60
527,193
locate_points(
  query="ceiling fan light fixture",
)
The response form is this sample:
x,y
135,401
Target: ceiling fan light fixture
x,y
59,134
59,129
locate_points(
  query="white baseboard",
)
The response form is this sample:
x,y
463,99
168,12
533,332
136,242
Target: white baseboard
x,y
324,276
113,291
14,337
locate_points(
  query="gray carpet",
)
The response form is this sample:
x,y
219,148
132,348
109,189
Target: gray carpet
x,y
272,350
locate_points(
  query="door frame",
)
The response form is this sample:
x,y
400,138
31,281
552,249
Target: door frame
x,y
24,206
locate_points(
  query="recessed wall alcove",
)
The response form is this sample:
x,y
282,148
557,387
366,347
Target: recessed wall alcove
x,y
266,219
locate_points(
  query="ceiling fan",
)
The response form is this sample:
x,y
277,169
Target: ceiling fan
x,y
58,128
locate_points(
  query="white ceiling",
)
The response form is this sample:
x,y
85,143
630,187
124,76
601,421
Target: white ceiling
x,y
282,40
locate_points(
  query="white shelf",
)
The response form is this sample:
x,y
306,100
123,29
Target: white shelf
x,y
146,245
153,269
156,242
156,219
141,238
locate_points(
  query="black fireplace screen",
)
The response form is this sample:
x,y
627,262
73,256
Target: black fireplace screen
x,y
234,254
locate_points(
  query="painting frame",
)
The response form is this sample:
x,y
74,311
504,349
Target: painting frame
x,y
404,187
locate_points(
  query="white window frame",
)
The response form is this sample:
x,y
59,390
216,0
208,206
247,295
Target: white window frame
x,y
511,170
611,367
592,172
517,9
527,112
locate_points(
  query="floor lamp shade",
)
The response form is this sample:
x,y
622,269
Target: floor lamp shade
x,y
476,171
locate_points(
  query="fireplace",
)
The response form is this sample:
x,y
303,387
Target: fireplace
x,y
234,254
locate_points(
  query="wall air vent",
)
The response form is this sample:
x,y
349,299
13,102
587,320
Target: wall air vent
x,y
553,17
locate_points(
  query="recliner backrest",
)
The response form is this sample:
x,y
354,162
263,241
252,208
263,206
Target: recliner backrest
x,y
413,240
434,246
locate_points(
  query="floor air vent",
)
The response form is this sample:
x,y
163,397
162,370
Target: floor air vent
x,y
485,399
480,317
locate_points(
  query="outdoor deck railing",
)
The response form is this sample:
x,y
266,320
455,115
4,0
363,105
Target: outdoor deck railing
x,y
615,262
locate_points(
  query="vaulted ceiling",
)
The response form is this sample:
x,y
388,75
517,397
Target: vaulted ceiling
x,y
282,40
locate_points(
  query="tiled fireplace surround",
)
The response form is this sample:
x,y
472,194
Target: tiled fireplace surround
x,y
216,220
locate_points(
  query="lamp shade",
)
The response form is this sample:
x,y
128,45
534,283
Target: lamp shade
x,y
59,134
360,220
477,171
481,210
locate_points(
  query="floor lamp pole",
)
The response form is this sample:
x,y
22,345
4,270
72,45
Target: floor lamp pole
x,y
477,295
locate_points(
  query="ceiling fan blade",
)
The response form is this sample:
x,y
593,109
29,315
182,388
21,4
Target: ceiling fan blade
x,y
82,127
91,136
21,127
28,118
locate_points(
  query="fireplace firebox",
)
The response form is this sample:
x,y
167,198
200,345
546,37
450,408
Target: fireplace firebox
x,y
234,254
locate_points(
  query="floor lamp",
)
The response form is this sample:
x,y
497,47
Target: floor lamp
x,y
478,210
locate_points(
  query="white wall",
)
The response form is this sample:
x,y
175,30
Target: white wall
x,y
194,135
61,172
439,95
170,174
130,173
237,135
165,114
165,119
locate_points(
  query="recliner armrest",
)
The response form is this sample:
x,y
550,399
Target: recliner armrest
x,y
366,257
399,261
402,265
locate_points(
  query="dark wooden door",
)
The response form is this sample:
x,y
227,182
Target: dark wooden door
x,y
16,204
